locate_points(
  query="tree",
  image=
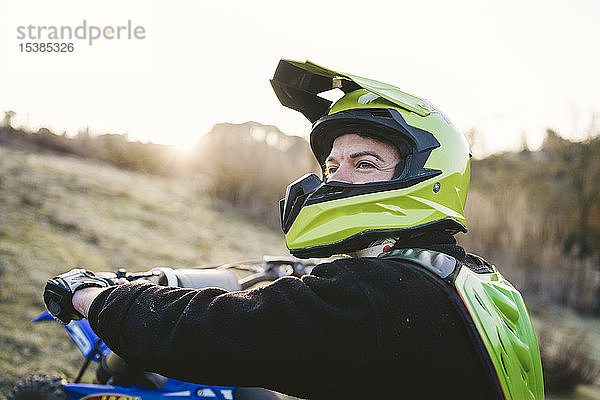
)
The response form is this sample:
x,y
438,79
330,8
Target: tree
x,y
8,117
575,167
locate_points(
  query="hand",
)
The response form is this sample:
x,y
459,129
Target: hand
x,y
58,294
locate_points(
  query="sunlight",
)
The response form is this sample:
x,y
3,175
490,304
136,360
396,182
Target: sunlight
x,y
183,144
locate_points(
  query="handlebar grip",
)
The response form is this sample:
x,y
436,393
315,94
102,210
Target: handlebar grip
x,y
201,278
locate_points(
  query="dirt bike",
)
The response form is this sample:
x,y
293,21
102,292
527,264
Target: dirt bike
x,y
116,380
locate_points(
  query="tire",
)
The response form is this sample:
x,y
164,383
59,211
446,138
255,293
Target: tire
x,y
39,387
253,393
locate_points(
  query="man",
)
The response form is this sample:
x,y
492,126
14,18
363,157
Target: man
x,y
410,315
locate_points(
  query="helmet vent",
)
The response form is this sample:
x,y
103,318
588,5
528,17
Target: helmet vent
x,y
381,112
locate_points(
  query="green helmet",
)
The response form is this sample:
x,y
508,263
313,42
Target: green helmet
x,y
429,187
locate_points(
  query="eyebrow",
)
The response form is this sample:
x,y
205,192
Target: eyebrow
x,y
359,154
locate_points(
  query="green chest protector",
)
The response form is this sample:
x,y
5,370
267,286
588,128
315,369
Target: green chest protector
x,y
495,313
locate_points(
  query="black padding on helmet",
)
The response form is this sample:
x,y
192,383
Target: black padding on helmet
x,y
384,124
334,190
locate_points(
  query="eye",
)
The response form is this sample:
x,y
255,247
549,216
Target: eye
x,y
364,165
330,169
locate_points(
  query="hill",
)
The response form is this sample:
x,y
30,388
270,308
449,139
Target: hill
x,y
60,212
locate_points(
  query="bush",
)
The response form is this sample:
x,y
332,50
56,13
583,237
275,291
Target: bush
x,y
249,166
567,359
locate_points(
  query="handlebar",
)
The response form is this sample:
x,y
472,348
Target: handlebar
x,y
266,270
275,268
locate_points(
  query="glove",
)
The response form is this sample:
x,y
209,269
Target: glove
x,y
58,294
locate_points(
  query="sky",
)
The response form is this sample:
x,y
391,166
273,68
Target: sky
x,y
508,69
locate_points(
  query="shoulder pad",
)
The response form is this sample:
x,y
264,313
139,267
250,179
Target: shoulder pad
x,y
501,318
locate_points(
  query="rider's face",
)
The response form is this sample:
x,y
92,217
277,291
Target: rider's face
x,y
359,159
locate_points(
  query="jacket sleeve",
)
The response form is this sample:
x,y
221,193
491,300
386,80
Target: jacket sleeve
x,y
276,336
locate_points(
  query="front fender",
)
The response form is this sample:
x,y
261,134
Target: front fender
x,y
82,335
43,317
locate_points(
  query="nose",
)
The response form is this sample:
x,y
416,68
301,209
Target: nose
x,y
342,174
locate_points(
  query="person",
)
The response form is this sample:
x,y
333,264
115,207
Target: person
x,y
408,315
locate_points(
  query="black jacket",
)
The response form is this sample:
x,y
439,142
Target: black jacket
x,y
355,328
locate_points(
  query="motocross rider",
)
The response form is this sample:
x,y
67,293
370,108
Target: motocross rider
x,y
409,315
